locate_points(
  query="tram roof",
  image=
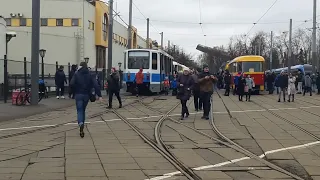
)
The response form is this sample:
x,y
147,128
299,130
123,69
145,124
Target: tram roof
x,y
250,58
151,50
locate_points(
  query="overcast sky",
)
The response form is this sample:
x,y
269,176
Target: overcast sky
x,y
179,19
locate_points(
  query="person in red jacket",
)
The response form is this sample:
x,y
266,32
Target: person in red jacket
x,y
139,81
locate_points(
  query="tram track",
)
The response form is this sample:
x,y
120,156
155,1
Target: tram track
x,y
158,144
241,149
222,140
291,123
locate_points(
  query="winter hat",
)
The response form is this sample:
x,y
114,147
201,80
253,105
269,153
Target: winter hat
x,y
205,66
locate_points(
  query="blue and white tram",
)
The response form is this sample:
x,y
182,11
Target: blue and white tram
x,y
178,67
156,65
304,69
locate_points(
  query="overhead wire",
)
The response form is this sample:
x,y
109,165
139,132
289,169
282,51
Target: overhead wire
x,y
254,24
144,16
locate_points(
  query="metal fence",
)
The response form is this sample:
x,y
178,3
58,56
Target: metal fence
x,y
16,75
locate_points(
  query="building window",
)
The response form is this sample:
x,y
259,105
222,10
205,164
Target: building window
x,y
23,22
8,21
89,27
92,25
105,27
44,22
59,22
75,22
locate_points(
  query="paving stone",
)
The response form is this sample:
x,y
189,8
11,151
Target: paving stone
x,y
272,174
42,176
117,160
86,178
122,166
4,170
211,174
85,173
7,176
131,174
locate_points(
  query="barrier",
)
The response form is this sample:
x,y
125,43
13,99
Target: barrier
x,y
15,94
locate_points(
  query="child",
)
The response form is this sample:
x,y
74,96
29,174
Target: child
x,y
174,86
166,85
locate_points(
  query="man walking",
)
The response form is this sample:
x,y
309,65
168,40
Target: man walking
x,y
196,92
206,81
60,79
227,81
114,87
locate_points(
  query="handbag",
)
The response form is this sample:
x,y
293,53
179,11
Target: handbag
x,y
92,97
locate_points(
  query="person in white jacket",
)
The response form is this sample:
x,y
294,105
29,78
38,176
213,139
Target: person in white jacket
x,y
291,87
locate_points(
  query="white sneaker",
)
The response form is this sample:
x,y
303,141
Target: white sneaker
x,y
62,97
58,97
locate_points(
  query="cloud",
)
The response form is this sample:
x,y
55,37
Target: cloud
x,y
221,19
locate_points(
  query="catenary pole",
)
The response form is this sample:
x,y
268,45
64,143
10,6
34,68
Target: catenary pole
x,y
271,50
290,47
35,46
148,32
314,37
110,36
130,26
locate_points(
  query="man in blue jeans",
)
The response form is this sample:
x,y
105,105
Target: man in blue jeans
x,y
82,84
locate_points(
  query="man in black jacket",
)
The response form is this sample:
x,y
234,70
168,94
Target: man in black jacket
x,y
283,84
227,81
114,87
60,79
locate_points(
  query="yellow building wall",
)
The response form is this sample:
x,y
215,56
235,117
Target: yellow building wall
x,y
134,42
101,9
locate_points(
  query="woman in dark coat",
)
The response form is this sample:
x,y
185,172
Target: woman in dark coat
x,y
185,83
241,85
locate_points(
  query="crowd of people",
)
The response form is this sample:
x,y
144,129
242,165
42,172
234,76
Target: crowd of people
x,y
297,83
200,83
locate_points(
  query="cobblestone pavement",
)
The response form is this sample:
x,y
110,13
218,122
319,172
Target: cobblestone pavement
x,y
48,147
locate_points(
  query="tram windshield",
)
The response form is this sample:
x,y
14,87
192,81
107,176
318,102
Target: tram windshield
x,y
138,59
251,66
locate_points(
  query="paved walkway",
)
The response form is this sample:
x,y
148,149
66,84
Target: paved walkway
x,y
112,150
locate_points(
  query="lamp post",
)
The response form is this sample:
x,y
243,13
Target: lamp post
x,y
86,59
121,74
42,53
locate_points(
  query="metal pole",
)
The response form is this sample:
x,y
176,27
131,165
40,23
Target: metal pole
x,y
110,36
290,47
130,25
42,68
259,47
255,50
169,44
5,78
35,51
314,37
271,50
161,40
25,72
148,32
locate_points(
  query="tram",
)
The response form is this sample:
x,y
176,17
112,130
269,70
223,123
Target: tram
x,y
249,65
304,69
179,67
156,65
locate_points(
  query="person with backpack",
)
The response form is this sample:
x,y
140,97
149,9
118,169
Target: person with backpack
x,y
82,84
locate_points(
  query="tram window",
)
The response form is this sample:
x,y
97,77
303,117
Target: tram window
x,y
154,61
252,67
138,59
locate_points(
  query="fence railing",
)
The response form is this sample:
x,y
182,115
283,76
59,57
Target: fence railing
x,y
16,75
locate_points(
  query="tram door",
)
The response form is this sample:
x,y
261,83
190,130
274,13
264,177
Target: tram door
x,y
161,71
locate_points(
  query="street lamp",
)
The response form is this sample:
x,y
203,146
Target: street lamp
x,y
42,53
86,59
119,64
